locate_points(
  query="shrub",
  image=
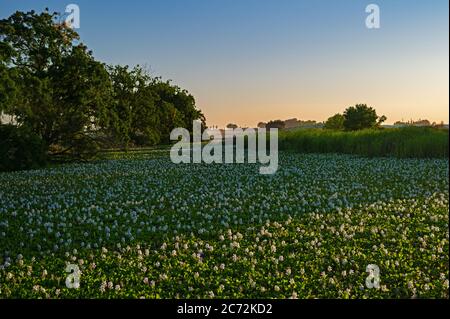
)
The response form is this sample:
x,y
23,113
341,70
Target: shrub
x,y
20,149
336,122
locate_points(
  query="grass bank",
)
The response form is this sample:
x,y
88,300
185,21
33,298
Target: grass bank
x,y
414,142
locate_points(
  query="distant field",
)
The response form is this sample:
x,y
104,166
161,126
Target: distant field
x,y
141,226
408,142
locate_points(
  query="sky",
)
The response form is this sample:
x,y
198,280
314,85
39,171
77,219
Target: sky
x,y
258,60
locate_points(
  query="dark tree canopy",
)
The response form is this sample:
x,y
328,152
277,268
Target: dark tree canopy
x,y
336,122
145,109
360,117
60,91
279,124
51,83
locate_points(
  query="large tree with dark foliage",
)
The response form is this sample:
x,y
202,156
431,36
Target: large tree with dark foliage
x,y
51,83
60,91
360,117
145,109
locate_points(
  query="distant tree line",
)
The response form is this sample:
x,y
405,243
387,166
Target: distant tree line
x,y
354,118
289,124
419,122
56,90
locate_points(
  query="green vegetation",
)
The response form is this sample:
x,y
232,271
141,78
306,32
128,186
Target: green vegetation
x,y
53,86
20,148
145,227
336,122
419,142
360,117
139,226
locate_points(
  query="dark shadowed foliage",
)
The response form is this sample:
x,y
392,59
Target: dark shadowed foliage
x,y
20,149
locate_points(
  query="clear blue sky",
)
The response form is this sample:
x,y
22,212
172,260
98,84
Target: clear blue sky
x,y
247,61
